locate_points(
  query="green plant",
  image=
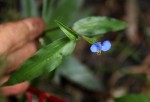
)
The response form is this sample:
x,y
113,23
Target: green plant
x,y
50,56
56,45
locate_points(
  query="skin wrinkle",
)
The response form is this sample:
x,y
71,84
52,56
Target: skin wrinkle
x,y
13,38
8,38
3,39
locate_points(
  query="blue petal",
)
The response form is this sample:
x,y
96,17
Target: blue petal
x,y
106,45
95,47
98,45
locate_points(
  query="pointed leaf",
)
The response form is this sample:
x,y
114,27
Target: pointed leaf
x,y
44,61
90,40
59,10
69,33
98,25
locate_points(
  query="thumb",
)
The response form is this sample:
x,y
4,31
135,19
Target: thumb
x,y
15,34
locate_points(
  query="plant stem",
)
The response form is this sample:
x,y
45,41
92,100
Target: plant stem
x,y
51,29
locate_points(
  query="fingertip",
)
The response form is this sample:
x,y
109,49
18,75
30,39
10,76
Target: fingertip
x,y
36,25
15,89
40,23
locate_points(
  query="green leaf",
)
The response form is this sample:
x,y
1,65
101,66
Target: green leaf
x,y
29,8
44,61
78,73
47,9
59,10
134,98
90,40
69,33
98,25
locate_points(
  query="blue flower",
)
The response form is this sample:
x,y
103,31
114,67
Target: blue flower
x,y
98,47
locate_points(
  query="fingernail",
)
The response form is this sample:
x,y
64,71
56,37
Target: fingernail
x,y
36,25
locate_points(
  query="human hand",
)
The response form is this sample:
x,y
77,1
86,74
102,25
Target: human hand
x,y
18,42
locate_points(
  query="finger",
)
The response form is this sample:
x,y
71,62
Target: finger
x,y
14,89
15,59
14,35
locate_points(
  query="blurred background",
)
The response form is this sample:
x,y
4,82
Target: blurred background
x,y
85,76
